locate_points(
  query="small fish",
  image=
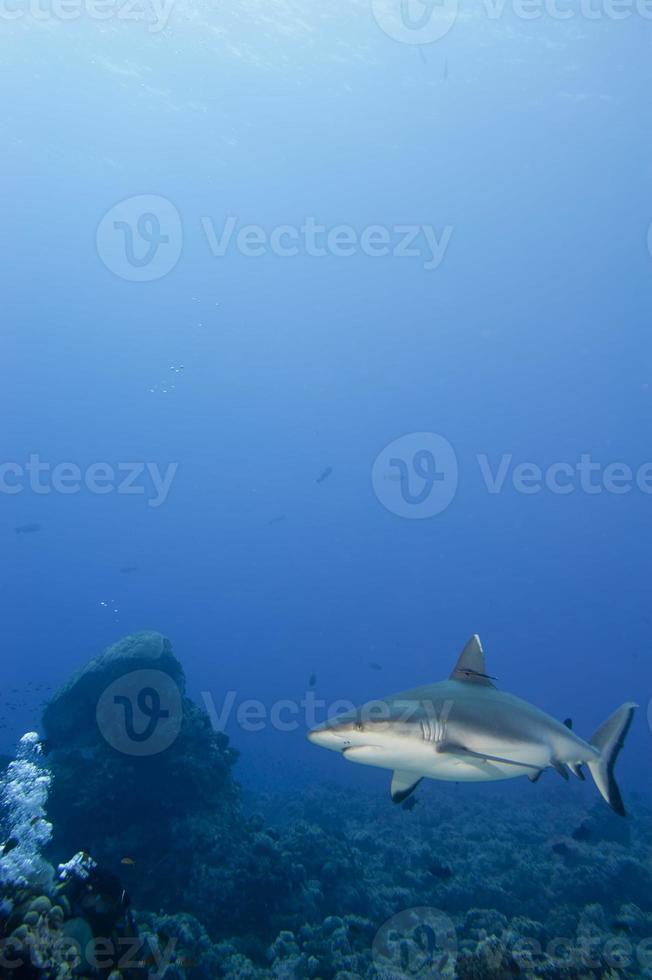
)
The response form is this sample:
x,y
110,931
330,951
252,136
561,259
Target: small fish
x,y
410,803
582,833
276,520
33,822
128,861
325,475
441,871
375,666
312,680
27,528
128,569
621,926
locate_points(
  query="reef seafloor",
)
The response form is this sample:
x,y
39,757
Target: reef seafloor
x,y
127,857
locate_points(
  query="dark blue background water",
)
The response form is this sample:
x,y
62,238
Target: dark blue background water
x,y
532,339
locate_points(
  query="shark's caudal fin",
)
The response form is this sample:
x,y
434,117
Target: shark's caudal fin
x,y
609,740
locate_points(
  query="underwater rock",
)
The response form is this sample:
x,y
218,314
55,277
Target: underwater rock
x,y
116,792
71,714
164,813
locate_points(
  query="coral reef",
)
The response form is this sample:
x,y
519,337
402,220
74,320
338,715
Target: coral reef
x,y
52,927
23,795
308,886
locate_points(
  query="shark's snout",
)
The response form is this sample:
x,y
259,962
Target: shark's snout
x,y
327,739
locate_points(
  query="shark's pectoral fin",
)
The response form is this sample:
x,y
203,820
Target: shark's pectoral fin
x,y
403,784
451,749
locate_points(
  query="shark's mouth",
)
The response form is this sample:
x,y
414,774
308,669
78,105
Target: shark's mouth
x,y
360,748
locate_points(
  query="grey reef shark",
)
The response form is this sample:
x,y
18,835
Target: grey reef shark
x,y
465,730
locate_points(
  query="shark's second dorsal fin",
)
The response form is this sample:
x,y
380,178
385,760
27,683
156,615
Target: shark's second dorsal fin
x,y
470,666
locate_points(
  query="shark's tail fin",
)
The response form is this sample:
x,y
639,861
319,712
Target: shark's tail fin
x,y
609,740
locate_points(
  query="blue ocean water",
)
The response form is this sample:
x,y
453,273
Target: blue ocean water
x,y
510,158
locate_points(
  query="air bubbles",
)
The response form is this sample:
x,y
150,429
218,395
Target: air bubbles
x,y
110,605
167,387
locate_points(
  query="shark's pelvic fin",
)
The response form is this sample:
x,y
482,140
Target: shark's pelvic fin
x,y
576,769
470,666
403,784
560,768
450,749
535,776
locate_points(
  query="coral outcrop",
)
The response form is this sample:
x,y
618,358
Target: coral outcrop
x,y
166,804
551,887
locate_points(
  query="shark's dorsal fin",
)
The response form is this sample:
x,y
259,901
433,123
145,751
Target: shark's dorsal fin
x,y
403,784
470,667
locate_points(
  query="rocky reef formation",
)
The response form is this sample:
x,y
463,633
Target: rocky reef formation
x,y
140,776
310,886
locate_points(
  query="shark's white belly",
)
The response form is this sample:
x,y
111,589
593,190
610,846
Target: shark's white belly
x,y
459,770
423,759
